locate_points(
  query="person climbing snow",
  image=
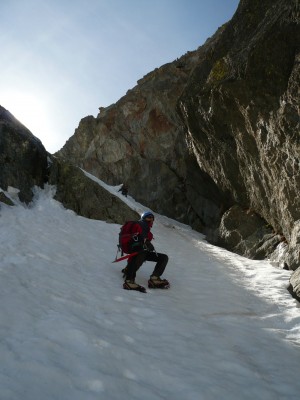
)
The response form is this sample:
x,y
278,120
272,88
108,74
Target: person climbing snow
x,y
138,240
124,190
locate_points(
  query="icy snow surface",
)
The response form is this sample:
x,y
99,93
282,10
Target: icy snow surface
x,y
227,328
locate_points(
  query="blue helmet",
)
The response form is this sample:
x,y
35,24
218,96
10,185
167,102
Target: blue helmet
x,y
147,214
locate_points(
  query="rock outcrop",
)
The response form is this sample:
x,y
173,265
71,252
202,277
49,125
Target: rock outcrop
x,y
24,163
244,232
23,158
85,197
294,286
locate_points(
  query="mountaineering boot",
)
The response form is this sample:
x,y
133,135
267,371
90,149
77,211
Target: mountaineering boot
x,y
131,285
155,282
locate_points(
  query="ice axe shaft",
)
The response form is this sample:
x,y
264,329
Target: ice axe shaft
x,y
125,257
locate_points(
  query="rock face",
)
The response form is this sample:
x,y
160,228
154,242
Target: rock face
x,y
215,130
24,163
79,193
246,233
141,141
294,286
242,114
23,158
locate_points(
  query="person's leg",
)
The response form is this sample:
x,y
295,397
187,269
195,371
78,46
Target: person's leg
x,y
161,262
134,264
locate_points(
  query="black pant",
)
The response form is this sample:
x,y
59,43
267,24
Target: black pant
x,y
135,262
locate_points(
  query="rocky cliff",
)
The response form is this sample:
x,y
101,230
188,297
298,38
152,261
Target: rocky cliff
x,y
24,163
142,141
242,116
212,139
23,158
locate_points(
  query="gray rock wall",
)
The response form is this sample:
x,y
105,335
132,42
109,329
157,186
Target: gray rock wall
x,y
243,114
141,141
23,158
24,163
87,198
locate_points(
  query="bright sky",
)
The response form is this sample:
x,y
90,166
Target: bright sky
x,y
61,60
227,329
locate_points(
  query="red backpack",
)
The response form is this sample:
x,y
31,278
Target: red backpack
x,y
129,232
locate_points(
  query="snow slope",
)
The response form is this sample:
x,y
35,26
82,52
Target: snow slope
x,y
227,328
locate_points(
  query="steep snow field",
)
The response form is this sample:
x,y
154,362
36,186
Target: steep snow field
x,y
227,328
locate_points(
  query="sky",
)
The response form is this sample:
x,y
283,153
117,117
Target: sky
x,y
226,329
62,60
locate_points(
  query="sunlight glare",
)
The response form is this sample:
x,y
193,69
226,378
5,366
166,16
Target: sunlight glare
x,y
28,109
33,113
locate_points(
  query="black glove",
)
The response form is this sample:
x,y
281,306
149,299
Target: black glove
x,y
149,246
